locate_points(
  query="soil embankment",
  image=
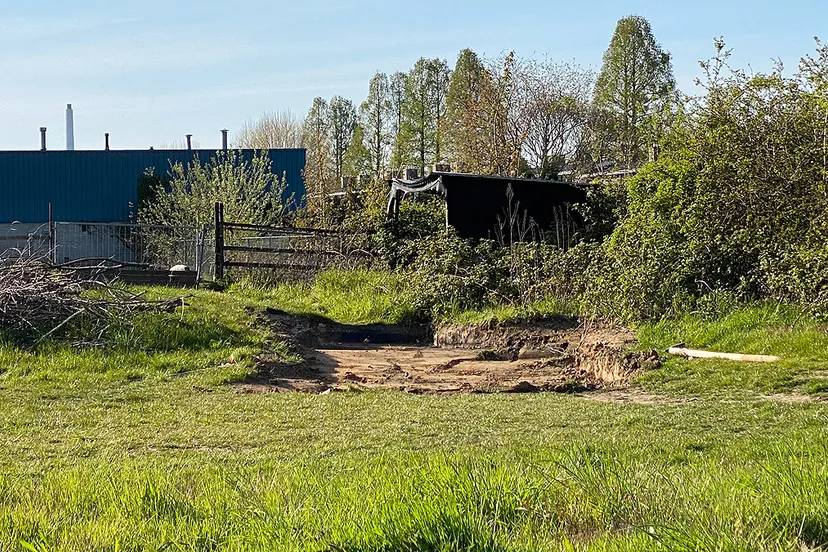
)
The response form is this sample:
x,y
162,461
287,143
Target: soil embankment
x,y
561,354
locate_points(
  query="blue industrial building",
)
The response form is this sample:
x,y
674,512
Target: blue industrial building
x,y
102,186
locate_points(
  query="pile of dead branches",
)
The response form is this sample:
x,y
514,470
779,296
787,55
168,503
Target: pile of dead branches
x,y
39,300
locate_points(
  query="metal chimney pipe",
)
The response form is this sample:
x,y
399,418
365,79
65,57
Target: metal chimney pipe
x,y
224,138
42,138
106,141
189,141
70,129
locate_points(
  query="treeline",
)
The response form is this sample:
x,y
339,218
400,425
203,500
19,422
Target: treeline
x,y
724,200
734,210
505,116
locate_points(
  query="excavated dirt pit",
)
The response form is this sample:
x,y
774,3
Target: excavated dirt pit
x,y
562,354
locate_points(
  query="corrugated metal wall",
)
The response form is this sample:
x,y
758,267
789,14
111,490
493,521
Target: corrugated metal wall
x,y
98,186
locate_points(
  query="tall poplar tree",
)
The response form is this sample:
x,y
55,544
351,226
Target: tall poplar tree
x,y
375,118
440,76
315,138
343,120
462,126
358,158
635,81
423,108
397,99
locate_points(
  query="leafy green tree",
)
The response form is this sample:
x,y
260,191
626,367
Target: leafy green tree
x,y
343,120
358,160
463,132
249,190
636,79
501,115
815,72
735,206
375,116
423,108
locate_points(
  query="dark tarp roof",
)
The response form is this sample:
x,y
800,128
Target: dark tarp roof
x,y
474,202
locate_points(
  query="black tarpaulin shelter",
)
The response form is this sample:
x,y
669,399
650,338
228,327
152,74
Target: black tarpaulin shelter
x,y
474,203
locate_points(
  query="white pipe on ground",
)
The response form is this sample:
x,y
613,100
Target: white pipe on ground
x,y
692,353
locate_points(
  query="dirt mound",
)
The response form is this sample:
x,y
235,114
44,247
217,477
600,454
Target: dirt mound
x,y
551,334
563,355
606,364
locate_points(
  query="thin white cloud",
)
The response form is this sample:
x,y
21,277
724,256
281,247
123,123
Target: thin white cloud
x,y
14,30
116,53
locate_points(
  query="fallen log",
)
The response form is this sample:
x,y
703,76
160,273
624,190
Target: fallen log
x,y
693,353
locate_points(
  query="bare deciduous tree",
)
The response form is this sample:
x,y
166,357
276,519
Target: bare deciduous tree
x,y
555,100
274,129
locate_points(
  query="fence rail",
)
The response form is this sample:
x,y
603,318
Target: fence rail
x,y
284,251
287,251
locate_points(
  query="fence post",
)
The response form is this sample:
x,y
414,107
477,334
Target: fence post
x,y
52,254
199,250
219,241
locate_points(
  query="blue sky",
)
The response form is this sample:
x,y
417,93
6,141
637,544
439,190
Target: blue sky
x,y
150,72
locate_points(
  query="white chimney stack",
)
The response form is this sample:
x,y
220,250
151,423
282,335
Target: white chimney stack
x,y
70,129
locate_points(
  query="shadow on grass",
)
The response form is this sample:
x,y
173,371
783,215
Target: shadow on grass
x,y
312,330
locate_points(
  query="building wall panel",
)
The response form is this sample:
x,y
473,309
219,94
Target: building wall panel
x,y
98,186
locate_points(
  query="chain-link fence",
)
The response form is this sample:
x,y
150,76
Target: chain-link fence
x,y
141,245
24,240
271,252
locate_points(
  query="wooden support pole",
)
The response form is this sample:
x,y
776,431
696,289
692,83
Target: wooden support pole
x,y
219,240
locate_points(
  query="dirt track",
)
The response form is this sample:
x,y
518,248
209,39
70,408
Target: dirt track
x,y
558,355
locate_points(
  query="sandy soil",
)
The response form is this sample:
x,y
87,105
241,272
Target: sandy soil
x,y
563,355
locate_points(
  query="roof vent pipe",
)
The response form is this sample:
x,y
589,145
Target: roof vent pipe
x,y
42,138
189,141
224,138
70,129
106,141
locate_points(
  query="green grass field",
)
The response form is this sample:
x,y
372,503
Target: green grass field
x,y
145,446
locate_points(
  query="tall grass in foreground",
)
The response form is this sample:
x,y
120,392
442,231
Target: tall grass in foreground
x,y
142,445
578,499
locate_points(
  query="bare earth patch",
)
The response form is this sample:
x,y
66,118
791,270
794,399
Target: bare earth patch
x,y
564,355
634,396
793,398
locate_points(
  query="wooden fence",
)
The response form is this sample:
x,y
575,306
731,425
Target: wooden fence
x,y
293,251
